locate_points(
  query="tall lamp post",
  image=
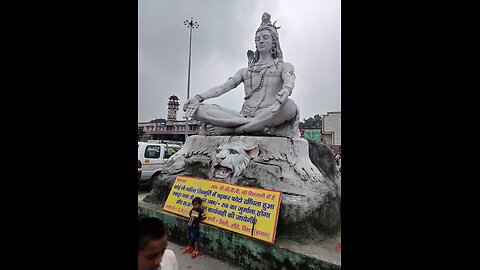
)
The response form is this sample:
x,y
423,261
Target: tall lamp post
x,y
190,24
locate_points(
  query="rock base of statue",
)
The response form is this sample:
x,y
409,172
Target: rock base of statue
x,y
303,170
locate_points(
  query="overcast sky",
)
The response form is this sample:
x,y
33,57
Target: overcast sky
x,y
309,38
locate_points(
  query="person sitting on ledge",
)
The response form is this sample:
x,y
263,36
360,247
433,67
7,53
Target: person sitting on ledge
x,y
268,83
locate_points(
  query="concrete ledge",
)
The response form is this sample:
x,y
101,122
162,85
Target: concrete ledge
x,y
243,251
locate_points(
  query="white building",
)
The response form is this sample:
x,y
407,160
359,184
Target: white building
x,y
332,128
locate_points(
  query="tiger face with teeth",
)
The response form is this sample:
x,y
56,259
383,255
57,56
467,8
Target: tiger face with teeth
x,y
231,159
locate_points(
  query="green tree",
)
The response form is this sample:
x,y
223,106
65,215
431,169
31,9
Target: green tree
x,y
312,122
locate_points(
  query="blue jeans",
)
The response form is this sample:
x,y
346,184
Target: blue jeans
x,y
193,234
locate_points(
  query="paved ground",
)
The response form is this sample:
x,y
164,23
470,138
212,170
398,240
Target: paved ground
x,y
202,262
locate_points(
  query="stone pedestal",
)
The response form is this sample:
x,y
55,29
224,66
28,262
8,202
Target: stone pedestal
x,y
311,192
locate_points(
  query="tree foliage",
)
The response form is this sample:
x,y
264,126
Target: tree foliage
x,y
312,122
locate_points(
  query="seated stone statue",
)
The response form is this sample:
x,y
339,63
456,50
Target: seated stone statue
x,y
268,82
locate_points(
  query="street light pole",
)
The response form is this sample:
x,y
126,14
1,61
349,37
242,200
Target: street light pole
x,y
190,24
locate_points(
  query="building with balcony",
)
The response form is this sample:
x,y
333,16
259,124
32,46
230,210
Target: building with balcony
x,y
169,129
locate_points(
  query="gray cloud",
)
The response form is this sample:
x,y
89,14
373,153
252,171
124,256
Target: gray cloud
x,y
309,36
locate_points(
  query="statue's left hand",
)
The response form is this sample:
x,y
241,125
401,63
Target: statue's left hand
x,y
282,96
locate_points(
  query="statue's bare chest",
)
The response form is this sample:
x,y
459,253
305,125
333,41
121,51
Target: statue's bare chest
x,y
254,77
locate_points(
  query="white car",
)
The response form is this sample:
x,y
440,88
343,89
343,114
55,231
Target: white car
x,y
151,158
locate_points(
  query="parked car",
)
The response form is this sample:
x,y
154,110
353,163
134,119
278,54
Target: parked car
x,y
151,159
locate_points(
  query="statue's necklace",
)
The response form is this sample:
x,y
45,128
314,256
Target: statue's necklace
x,y
262,78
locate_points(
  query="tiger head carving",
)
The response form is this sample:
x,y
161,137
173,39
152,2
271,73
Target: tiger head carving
x,y
231,159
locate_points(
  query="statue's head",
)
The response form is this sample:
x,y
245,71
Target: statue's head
x,y
272,29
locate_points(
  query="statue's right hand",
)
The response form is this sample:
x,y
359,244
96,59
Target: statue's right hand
x,y
190,107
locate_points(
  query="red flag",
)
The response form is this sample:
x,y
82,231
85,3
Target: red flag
x,y
339,247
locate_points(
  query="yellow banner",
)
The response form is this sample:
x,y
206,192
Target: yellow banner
x,y
245,210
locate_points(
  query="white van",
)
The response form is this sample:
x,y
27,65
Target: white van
x,y
151,158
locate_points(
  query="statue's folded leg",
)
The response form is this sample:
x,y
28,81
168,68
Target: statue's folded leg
x,y
219,116
213,130
267,118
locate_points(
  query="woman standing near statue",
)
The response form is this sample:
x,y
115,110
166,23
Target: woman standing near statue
x,y
268,82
